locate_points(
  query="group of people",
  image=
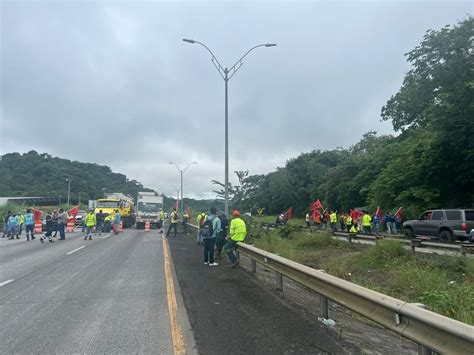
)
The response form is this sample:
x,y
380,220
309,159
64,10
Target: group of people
x,y
364,222
56,222
101,222
13,224
215,233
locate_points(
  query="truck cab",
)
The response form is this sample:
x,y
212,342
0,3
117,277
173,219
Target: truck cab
x,y
149,206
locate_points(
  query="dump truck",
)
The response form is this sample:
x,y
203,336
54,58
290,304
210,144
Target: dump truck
x,y
149,206
117,201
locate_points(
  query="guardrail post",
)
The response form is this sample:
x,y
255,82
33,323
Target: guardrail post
x,y
412,247
324,306
423,350
253,265
279,281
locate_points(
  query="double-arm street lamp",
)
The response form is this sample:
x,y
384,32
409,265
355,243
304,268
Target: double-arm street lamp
x,y
181,172
227,74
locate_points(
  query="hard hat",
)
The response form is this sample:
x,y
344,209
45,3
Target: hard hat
x,y
235,213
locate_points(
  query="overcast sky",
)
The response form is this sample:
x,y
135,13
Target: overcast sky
x,y
113,83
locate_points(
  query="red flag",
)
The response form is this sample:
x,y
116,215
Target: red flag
x,y
316,205
73,211
37,214
378,212
316,215
289,213
356,214
188,211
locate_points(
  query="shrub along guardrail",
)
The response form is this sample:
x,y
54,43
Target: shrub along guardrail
x,y
432,331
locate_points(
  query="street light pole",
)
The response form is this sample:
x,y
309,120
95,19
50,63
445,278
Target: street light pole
x,y
224,73
68,190
181,172
226,194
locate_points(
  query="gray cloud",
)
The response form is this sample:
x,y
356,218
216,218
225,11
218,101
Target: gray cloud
x,y
113,83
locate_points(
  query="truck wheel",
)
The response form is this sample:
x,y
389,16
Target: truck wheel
x,y
408,232
446,236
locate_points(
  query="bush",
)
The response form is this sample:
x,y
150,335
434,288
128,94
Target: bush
x,y
383,253
287,231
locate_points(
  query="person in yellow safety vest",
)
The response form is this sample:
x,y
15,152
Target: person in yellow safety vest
x,y
90,224
366,222
333,220
185,221
162,218
174,223
200,221
21,222
354,230
237,233
348,222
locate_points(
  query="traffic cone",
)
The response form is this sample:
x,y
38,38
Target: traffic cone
x,y
121,226
38,227
147,226
70,226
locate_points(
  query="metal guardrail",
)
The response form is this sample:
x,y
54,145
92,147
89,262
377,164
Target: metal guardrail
x,y
463,249
432,331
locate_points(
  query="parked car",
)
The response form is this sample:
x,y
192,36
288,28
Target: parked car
x,y
444,224
79,217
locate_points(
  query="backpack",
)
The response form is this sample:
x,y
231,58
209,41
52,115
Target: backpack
x,y
208,228
202,220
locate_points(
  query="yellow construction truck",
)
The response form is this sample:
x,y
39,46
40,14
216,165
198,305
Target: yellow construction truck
x,y
117,201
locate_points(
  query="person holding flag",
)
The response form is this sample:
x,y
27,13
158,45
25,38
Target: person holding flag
x,y
317,219
62,222
398,220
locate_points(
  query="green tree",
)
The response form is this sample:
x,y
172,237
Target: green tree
x,y
437,96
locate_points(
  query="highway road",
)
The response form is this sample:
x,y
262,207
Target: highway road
x,y
140,293
107,295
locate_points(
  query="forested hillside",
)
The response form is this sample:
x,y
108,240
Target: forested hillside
x,y
33,174
430,163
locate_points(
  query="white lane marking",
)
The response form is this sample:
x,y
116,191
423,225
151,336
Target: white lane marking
x,y
6,282
106,236
73,251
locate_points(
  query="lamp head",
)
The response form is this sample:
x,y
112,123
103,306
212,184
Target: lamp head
x,y
270,45
189,40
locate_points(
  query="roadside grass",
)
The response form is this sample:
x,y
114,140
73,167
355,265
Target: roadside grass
x,y
445,284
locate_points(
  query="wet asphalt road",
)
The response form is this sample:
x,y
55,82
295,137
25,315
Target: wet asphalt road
x,y
232,313
107,297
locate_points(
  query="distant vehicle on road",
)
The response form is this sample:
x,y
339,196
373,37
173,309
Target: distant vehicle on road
x,y
118,201
79,217
444,224
149,206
